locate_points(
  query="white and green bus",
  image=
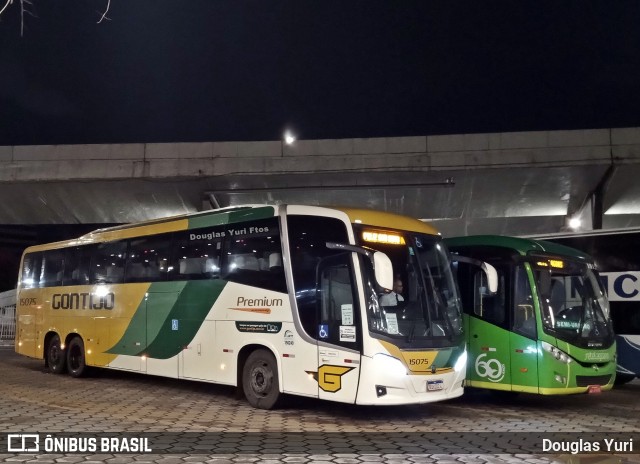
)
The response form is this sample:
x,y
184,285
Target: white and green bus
x,y
272,299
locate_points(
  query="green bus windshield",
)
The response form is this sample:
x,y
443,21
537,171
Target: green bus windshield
x,y
573,303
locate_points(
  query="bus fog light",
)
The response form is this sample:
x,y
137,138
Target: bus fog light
x,y
380,391
560,379
389,364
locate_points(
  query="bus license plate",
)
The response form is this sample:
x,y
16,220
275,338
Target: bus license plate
x,y
434,385
594,389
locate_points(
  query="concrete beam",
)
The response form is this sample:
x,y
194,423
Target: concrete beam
x,y
422,153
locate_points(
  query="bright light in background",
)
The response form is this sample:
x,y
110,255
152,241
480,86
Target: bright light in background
x,y
289,138
575,222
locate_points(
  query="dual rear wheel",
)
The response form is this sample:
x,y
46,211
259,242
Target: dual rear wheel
x,y
69,359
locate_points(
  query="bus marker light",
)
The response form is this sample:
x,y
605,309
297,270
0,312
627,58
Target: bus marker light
x,y
556,263
519,351
222,367
524,370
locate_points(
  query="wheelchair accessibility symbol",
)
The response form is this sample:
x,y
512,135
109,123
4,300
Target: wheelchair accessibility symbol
x,y
323,331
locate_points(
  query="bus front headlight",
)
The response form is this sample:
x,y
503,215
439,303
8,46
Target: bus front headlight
x,y
556,353
461,363
389,364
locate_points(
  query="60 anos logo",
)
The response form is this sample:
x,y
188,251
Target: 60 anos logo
x,y
492,369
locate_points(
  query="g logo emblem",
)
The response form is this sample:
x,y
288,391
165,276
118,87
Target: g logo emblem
x,y
329,377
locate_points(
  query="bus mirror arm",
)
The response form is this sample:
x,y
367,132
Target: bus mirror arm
x,y
488,269
382,267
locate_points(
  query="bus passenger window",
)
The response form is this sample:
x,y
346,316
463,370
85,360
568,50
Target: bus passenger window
x,y
254,256
196,255
107,265
52,268
77,262
148,259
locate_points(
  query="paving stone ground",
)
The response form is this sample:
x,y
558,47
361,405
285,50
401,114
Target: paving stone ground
x,y
181,418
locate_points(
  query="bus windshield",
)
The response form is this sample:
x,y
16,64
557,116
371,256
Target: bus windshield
x,y
573,302
424,304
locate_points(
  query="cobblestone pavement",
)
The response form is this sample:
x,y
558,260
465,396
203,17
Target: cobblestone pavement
x,y
199,417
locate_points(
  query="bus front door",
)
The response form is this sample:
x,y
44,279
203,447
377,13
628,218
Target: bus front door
x,y
489,361
339,337
524,351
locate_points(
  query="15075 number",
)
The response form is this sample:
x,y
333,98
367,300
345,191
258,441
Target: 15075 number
x,y
419,362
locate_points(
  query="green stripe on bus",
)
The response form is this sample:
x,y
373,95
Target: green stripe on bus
x,y
249,214
145,325
185,318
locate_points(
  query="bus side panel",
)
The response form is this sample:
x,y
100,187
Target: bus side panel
x,y
299,361
524,363
28,305
201,360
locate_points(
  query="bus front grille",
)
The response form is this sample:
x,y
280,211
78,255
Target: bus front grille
x,y
586,380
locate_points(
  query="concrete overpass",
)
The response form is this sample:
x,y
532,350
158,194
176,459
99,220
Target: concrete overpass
x,y
508,183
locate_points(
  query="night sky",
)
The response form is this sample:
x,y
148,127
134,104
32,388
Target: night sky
x,y
213,70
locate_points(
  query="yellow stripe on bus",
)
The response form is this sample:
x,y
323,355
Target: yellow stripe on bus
x,y
387,220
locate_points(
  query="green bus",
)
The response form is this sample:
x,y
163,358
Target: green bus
x,y
547,329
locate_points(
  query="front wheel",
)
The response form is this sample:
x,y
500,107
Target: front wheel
x,y
260,380
56,356
76,363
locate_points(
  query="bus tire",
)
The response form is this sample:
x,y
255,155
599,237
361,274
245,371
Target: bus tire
x,y
621,379
56,356
260,380
76,362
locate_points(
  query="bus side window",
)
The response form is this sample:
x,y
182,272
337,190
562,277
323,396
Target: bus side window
x,y
524,317
107,264
195,255
255,258
338,318
491,308
31,270
308,236
76,265
148,259
52,268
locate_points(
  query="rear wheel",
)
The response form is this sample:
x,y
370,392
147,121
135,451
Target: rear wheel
x,y
260,380
56,356
76,364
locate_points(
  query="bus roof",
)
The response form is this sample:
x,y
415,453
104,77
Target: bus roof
x,y
523,246
234,214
